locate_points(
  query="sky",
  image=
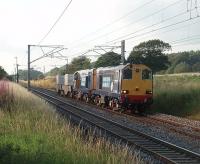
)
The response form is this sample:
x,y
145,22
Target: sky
x,y
89,23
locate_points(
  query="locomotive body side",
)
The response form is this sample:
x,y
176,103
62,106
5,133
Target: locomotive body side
x,y
84,83
127,86
59,84
108,81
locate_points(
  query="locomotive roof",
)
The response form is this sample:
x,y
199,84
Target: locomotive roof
x,y
119,67
85,71
116,68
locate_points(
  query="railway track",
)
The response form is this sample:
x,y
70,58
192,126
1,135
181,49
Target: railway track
x,y
162,150
183,129
179,128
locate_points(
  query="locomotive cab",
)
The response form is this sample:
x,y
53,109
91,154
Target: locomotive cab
x,y
137,85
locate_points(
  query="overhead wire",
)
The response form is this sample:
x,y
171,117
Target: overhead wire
x,y
162,10
143,38
193,37
57,20
154,30
134,22
192,43
114,21
155,24
172,29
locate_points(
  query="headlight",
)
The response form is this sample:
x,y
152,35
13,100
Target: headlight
x,y
125,91
148,92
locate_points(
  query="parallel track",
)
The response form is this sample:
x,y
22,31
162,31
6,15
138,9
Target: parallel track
x,y
162,150
183,129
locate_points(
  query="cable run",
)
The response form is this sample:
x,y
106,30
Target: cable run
x,y
134,22
55,23
114,21
149,32
122,37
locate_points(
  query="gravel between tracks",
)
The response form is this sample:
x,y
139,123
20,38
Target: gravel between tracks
x,y
183,121
156,131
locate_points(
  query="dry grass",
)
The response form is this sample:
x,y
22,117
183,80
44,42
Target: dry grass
x,y
48,83
32,132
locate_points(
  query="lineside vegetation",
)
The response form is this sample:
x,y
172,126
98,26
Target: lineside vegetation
x,y
32,132
177,95
173,94
49,83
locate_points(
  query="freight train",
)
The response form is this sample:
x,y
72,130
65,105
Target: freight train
x,y
123,87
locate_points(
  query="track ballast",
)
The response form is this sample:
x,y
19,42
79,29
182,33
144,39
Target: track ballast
x,y
162,150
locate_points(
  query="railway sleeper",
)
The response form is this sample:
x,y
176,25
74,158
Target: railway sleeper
x,y
139,141
129,135
145,142
180,158
169,153
135,138
151,147
184,160
189,162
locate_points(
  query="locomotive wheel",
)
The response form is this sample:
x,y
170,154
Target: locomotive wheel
x,y
95,100
142,111
85,97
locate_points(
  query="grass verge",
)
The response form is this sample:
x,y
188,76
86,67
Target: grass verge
x,y
31,132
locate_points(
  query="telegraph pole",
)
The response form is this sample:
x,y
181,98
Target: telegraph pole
x,y
17,73
122,51
66,65
55,49
28,75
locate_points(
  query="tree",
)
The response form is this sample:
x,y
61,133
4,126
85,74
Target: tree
x,y
182,67
79,63
3,73
53,72
34,74
188,61
151,53
196,67
108,59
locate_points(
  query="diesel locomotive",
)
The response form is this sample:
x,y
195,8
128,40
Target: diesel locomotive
x,y
123,87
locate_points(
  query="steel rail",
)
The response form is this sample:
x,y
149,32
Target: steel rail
x,y
173,126
162,150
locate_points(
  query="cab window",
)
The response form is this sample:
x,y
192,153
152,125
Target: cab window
x,y
146,74
127,74
87,82
83,81
106,82
100,81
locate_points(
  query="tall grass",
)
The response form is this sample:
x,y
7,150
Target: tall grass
x,y
177,95
49,83
32,132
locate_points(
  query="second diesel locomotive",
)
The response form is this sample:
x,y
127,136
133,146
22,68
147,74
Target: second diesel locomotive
x,y
124,87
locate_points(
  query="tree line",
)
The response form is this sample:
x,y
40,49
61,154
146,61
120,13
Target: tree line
x,y
3,73
153,53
